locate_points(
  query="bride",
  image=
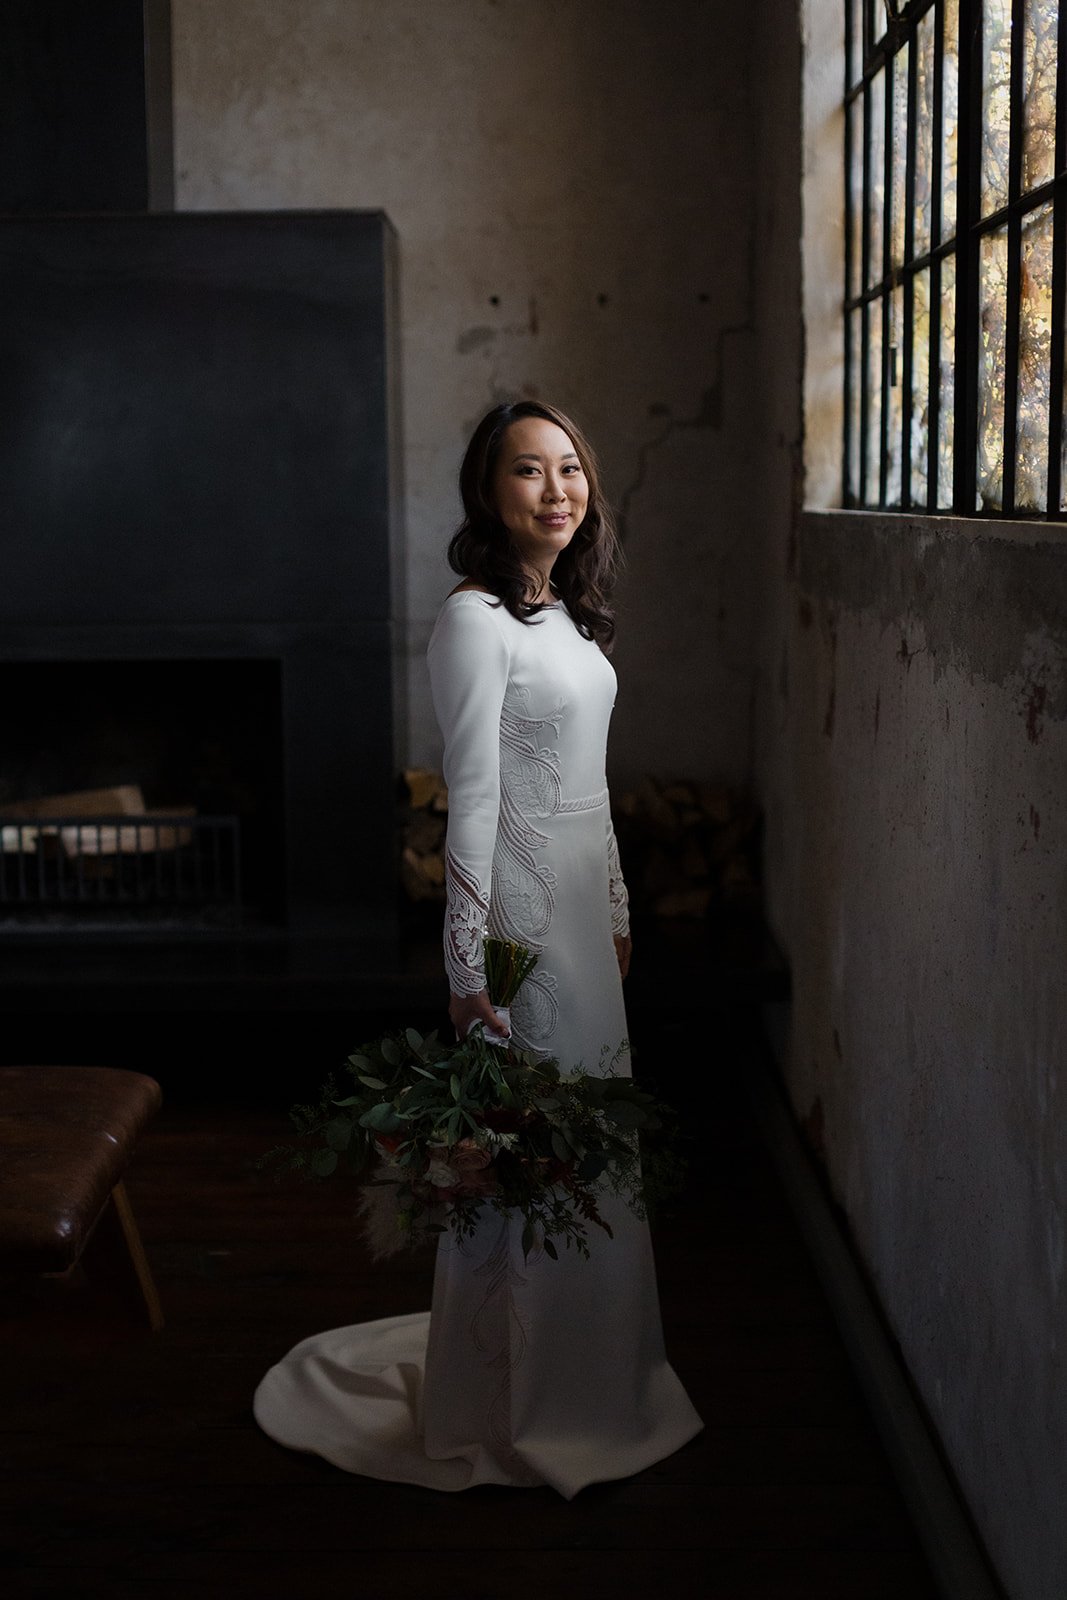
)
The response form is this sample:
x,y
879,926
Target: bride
x,y
525,1371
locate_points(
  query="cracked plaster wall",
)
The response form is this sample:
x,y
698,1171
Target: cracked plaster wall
x,y
911,751
569,181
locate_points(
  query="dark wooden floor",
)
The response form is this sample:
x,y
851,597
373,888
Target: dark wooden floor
x,y
133,1467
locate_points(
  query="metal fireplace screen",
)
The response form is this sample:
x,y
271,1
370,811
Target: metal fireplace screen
x,y
166,870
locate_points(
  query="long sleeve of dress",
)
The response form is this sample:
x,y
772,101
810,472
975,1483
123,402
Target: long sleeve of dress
x,y
620,900
469,659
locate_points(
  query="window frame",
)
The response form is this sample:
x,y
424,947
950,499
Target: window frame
x,y
881,51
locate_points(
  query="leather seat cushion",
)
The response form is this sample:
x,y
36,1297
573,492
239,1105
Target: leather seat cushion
x,y
66,1137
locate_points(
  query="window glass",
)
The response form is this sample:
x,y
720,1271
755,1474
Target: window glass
x,y
992,309
1040,20
996,103
876,178
924,131
950,113
1035,346
855,421
919,442
946,386
895,400
872,464
898,189
855,114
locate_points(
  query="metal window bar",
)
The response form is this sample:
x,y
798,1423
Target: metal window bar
x,y
1059,278
1011,344
39,853
865,315
850,490
936,222
176,871
886,290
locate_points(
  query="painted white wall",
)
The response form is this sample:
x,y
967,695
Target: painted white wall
x,y
911,747
569,182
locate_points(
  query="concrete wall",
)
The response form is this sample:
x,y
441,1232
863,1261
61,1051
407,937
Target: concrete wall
x,y
912,755
569,180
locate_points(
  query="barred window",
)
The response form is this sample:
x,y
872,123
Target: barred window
x,y
955,256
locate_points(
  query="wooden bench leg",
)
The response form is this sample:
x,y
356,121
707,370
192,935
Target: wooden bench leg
x,y
116,1242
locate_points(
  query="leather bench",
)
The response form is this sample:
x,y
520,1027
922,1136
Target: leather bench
x,y
67,1135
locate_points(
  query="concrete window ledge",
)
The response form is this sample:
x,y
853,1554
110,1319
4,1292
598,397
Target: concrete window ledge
x,y
910,525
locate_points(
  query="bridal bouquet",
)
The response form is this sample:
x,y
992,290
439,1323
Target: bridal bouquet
x,y
434,1133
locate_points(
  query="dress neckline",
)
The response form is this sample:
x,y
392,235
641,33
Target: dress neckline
x,y
487,594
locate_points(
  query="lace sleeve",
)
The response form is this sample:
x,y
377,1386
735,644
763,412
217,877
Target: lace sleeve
x,y
468,660
620,900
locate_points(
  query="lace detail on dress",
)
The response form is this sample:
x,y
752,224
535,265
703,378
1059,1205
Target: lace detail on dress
x,y
523,888
587,802
532,775
465,922
620,900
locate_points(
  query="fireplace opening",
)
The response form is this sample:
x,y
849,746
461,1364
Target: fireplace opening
x,y
144,794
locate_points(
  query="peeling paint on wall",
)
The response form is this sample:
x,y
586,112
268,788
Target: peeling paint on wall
x,y
474,339
984,599
1035,696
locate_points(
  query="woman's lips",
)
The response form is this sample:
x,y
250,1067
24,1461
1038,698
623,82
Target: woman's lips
x,y
554,519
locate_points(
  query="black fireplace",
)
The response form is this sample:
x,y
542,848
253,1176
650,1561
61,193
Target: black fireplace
x,y
200,561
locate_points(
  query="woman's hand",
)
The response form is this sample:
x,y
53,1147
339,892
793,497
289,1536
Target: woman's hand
x,y
623,946
466,1009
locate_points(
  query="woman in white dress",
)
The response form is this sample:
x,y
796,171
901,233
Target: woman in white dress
x,y
525,1371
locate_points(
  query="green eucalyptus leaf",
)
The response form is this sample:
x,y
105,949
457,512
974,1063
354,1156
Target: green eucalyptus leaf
x,y
323,1162
382,1118
454,1085
372,1083
391,1052
360,1063
560,1147
414,1039
529,1239
339,1133
550,1249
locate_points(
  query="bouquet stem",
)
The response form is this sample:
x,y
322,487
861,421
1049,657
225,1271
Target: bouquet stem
x,y
507,965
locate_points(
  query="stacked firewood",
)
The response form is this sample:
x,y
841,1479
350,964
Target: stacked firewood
x,y
686,848
422,846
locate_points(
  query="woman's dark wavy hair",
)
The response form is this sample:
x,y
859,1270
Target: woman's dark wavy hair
x,y
482,547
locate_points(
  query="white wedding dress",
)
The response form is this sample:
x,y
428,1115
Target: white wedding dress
x,y
537,1371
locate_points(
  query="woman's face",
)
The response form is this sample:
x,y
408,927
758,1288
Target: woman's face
x,y
539,488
